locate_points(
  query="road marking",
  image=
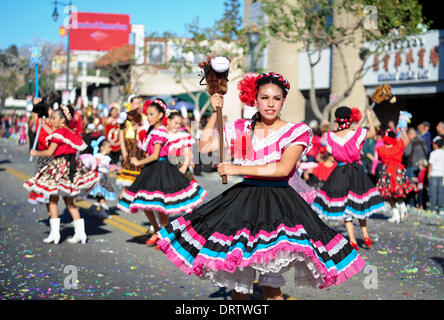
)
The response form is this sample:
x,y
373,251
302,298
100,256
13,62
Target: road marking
x,y
122,224
134,230
83,204
117,221
122,227
131,224
19,174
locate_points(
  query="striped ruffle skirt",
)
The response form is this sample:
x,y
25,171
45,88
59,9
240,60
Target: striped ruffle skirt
x,y
347,192
53,179
35,197
162,187
265,227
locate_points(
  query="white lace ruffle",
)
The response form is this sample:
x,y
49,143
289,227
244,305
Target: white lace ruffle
x,y
240,281
274,280
60,137
305,273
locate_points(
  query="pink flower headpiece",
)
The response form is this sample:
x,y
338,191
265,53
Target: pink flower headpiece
x,y
248,86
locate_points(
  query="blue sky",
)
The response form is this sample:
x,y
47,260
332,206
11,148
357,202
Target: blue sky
x,y
29,21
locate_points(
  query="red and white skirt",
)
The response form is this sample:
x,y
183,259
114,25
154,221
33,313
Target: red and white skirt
x,y
54,179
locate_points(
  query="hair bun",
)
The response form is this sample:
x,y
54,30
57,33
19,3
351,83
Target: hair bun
x,y
391,134
343,112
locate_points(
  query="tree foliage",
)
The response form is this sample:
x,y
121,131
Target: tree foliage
x,y
311,23
16,71
227,37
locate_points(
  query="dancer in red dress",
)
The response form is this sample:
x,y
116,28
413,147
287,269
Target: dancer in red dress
x,y
64,175
42,111
393,183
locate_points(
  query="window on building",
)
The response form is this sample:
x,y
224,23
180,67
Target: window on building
x,y
155,53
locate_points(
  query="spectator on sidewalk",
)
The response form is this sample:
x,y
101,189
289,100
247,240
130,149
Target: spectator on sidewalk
x,y
391,125
424,133
312,153
377,163
422,184
414,152
367,154
436,176
440,129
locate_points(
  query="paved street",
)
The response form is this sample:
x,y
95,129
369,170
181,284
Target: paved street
x,y
406,261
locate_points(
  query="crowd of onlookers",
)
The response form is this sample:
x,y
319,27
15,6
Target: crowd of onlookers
x,y
423,155
15,128
423,160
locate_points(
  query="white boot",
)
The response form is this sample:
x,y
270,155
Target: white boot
x,y
54,234
395,216
79,232
403,211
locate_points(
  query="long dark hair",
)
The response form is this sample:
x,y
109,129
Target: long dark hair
x,y
135,116
159,109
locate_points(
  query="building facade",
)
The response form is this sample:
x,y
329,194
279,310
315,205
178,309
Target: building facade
x,y
279,57
412,67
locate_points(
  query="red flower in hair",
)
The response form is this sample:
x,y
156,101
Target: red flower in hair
x,y
145,105
142,135
248,89
248,86
356,115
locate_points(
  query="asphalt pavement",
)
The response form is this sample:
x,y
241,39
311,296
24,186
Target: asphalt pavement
x,y
406,262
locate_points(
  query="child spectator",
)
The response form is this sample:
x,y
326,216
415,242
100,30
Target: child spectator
x,y
317,176
422,184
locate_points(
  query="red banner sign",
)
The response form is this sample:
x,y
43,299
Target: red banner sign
x,y
99,31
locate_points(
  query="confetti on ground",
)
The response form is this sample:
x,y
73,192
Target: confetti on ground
x,y
410,270
408,256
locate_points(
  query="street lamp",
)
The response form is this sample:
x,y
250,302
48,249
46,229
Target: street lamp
x,y
253,37
55,17
55,14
